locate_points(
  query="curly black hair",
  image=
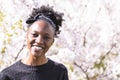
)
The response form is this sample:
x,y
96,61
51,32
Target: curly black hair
x,y
47,11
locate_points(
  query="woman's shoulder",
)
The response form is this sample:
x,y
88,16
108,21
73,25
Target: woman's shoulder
x,y
6,72
10,68
58,65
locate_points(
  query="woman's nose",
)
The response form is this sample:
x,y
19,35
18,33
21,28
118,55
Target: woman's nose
x,y
39,40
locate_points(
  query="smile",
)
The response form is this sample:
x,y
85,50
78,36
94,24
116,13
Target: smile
x,y
37,48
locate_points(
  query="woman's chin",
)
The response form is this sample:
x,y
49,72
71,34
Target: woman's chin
x,y
37,54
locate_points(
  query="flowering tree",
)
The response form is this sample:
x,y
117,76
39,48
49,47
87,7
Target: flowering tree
x,y
89,42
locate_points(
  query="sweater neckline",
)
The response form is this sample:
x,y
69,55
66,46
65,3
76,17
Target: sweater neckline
x,y
47,66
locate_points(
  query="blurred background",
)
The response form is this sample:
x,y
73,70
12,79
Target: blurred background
x,y
89,43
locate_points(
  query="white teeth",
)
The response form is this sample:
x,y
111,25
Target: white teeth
x,y
38,47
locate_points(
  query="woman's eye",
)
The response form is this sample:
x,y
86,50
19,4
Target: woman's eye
x,y
34,35
46,38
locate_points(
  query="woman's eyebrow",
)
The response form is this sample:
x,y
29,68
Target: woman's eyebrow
x,y
34,31
47,34
44,33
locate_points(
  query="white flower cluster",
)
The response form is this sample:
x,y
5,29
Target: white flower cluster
x,y
89,43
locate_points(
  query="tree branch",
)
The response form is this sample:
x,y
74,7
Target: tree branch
x,y
84,37
19,51
84,71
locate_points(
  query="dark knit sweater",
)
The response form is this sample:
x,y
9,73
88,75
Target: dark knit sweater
x,y
49,71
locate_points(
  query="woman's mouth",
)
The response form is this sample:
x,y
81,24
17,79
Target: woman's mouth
x,y
37,48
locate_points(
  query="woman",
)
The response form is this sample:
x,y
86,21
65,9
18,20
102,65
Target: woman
x,y
43,27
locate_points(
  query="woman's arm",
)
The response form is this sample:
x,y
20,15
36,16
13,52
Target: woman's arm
x,y
64,75
3,76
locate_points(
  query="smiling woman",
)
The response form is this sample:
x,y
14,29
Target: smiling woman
x,y
40,37
43,27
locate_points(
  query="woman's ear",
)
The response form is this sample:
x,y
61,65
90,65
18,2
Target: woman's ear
x,y
53,41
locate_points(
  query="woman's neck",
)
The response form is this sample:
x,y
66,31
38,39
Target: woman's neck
x,y
34,61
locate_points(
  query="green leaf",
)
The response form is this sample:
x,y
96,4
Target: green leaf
x,y
2,15
12,27
70,66
19,24
9,34
99,65
8,40
3,50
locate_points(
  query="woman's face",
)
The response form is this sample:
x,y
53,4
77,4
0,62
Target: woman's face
x,y
40,37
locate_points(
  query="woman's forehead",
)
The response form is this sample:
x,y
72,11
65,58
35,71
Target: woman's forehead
x,y
41,25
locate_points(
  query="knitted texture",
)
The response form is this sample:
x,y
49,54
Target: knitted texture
x,y
49,71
